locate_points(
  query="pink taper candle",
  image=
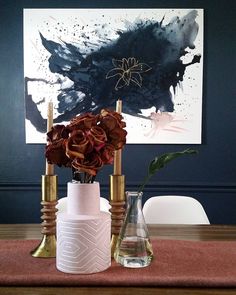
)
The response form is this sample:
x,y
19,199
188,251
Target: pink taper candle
x,y
49,167
117,156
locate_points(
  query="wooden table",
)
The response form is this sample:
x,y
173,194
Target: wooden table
x,y
180,232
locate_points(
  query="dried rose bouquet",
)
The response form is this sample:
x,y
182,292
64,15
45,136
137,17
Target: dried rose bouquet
x,y
87,143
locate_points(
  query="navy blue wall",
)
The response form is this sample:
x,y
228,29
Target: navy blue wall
x,y
210,176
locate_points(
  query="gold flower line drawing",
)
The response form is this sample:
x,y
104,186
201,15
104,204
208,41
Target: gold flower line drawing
x,y
129,70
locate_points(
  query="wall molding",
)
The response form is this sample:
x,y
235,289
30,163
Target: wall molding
x,y
217,198
162,186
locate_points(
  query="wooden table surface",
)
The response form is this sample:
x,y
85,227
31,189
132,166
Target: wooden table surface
x,y
180,232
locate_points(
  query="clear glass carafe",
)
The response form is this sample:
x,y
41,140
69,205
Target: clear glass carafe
x,y
133,248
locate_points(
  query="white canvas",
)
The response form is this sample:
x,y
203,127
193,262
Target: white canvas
x,y
161,89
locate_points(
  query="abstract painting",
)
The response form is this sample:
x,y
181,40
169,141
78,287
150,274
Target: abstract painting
x,y
84,60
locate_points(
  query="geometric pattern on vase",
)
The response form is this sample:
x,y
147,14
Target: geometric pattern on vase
x,y
83,245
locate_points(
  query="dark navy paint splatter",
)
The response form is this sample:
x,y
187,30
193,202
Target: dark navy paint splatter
x,y
148,42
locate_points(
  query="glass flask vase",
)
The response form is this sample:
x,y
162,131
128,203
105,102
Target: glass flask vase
x,y
133,248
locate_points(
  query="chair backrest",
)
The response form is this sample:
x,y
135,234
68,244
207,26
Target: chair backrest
x,y
62,205
174,210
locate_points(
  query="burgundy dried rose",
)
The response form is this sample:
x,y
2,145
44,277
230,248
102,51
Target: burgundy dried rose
x,y
113,124
55,150
98,137
57,132
111,120
91,164
56,154
118,138
107,154
83,122
78,145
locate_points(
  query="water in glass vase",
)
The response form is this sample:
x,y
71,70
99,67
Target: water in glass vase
x,y
134,252
133,247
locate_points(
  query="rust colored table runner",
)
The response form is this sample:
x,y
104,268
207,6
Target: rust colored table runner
x,y
176,263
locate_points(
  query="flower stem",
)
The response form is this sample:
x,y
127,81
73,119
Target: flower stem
x,y
146,179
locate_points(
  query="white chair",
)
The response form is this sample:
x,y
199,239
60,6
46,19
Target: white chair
x,y
174,210
62,205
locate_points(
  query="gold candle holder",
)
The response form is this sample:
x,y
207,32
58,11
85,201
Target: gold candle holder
x,y
47,246
117,202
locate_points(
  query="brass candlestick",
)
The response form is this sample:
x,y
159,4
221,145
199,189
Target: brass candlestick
x,y
117,194
47,246
117,202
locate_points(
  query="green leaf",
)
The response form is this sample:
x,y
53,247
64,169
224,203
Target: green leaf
x,y
160,162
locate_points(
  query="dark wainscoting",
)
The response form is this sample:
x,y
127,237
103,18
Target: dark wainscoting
x,y
20,202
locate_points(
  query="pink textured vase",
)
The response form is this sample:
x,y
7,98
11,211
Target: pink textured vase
x,y
83,233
